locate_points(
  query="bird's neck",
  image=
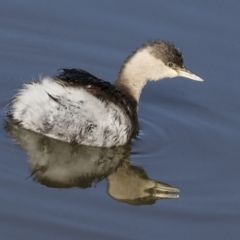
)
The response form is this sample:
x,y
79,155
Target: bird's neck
x,y
136,71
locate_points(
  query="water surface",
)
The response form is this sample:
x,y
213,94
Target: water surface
x,y
189,131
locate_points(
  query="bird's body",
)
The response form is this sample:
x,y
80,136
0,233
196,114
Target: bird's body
x,y
77,107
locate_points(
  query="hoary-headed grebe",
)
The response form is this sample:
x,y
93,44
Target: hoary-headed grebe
x,y
77,107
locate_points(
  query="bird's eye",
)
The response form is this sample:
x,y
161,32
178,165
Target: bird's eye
x,y
170,64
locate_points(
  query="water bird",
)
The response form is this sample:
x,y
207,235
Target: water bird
x,y
77,107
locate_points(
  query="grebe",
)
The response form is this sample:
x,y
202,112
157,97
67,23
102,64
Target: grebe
x,y
77,107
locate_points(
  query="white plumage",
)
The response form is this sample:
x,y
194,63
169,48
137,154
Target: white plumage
x,y
47,104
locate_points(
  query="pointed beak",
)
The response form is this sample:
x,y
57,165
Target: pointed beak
x,y
183,72
165,191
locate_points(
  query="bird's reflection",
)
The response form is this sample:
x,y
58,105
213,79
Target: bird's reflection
x,y
61,165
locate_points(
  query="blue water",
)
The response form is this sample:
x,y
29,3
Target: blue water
x,y
189,134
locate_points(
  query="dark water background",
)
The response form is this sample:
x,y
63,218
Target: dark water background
x,y
189,131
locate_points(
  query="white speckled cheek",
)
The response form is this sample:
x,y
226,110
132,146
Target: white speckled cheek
x,y
160,70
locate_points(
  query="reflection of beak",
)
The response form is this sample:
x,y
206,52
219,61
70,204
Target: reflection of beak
x,y
183,72
162,190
